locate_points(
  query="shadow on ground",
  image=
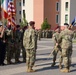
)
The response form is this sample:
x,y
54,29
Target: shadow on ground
x,y
47,68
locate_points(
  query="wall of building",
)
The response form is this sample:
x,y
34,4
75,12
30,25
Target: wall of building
x,y
45,9
18,15
63,12
38,12
72,10
51,14
28,9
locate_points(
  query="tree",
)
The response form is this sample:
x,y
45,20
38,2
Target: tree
x,y
45,25
23,22
5,21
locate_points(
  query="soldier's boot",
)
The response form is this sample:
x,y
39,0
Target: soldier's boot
x,y
65,70
53,64
60,66
27,70
54,59
31,70
9,62
17,61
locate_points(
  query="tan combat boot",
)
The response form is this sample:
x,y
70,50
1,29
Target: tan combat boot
x,y
27,70
31,70
65,70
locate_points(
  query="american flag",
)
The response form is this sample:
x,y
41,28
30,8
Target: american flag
x,y
11,13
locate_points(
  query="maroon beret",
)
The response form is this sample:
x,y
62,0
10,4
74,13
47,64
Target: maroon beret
x,y
31,22
57,27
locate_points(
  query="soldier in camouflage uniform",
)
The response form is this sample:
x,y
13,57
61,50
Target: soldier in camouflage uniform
x,y
39,34
10,45
22,47
17,43
46,33
29,42
57,49
66,39
43,33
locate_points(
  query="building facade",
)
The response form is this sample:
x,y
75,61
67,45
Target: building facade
x,y
18,11
57,12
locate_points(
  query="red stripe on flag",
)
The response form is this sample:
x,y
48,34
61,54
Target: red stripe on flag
x,y
11,21
11,14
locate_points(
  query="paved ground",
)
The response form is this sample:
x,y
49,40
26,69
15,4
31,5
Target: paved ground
x,y
43,62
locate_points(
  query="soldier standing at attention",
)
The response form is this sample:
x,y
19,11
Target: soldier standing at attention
x,y
29,42
39,34
22,47
56,48
66,39
10,48
17,44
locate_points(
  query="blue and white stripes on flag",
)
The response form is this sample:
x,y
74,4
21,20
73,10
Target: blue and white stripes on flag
x,y
74,21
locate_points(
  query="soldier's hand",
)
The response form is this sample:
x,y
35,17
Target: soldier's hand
x,y
56,44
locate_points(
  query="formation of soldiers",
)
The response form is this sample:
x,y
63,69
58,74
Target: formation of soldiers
x,y
26,40
14,44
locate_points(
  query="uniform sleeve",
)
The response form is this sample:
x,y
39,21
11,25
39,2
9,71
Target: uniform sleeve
x,y
24,38
60,37
12,33
34,39
33,36
53,36
72,34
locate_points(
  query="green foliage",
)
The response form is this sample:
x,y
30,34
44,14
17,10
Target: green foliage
x,y
5,21
45,25
23,22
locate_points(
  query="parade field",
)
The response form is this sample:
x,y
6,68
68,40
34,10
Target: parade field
x,y
43,62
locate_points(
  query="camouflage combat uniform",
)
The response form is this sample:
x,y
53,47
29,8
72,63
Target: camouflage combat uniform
x,y
30,44
39,34
43,33
17,45
66,39
57,49
10,45
46,33
22,47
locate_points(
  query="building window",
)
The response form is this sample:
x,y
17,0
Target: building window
x,y
23,2
57,18
66,6
57,6
19,20
20,12
19,3
66,18
24,13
